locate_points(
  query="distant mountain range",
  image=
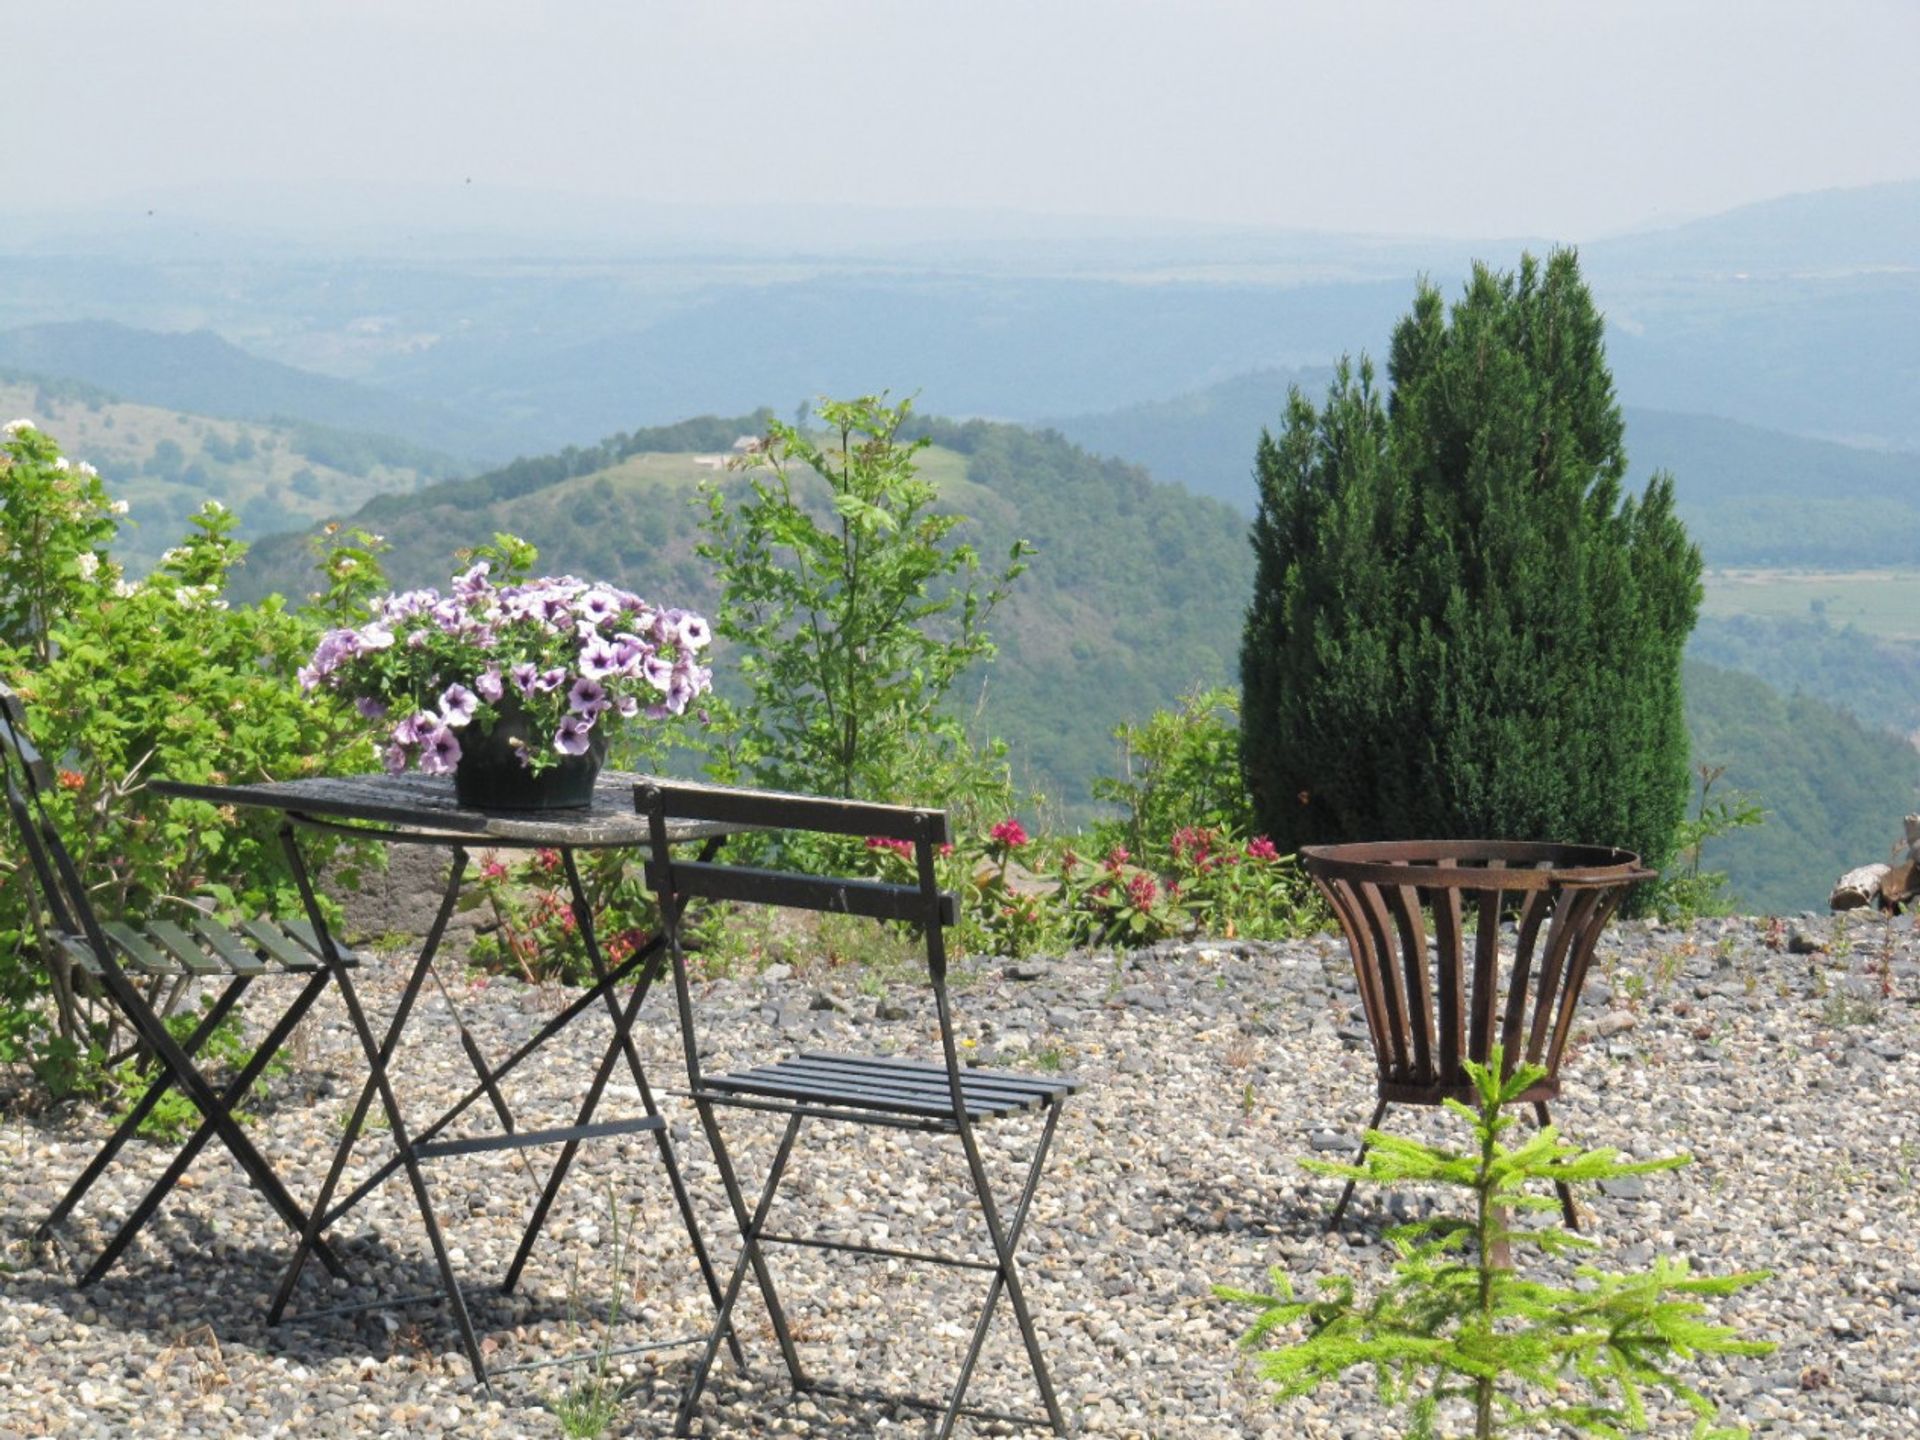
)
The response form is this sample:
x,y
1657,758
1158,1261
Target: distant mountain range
x,y
1798,314
1749,496
199,372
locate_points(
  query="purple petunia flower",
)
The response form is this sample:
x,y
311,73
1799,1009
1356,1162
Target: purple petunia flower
x,y
308,677
587,697
693,631
374,637
599,658
439,751
524,675
658,670
395,759
474,582
415,728
627,707
487,683
598,607
549,681
457,704
370,708
572,737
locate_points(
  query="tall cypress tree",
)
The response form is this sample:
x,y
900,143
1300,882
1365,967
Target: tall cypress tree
x,y
1460,627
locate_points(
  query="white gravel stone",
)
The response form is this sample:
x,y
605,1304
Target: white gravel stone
x,y
1793,1080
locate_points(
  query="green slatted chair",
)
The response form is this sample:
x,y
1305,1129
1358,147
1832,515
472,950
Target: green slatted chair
x,y
129,966
940,1096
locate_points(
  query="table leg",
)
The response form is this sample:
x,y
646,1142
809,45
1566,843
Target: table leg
x,y
378,1055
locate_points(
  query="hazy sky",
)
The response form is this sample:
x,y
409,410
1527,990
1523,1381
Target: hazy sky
x,y
1439,117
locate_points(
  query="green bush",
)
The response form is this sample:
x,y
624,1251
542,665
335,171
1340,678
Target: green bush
x,y
123,682
1459,625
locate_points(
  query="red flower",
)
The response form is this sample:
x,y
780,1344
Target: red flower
x,y
1261,848
1010,833
1142,891
882,842
1118,856
72,780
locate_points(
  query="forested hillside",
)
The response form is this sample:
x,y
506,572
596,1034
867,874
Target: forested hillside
x,y
1834,789
1876,679
1136,593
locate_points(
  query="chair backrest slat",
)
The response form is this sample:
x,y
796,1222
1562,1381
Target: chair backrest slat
x,y
875,899
775,810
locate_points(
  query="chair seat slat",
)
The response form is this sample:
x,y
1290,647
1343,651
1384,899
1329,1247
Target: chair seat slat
x,y
184,948
278,947
1042,1084
820,1093
81,953
140,950
239,957
909,1087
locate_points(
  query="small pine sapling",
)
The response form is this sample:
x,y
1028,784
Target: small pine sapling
x,y
1458,1323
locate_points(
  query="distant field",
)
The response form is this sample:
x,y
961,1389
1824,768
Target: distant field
x,y
1880,602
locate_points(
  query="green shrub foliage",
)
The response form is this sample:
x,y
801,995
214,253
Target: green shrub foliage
x,y
1460,627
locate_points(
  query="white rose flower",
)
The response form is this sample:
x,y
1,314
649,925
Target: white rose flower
x,y
14,427
88,564
118,507
87,470
60,463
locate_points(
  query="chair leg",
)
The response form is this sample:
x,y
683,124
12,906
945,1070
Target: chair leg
x,y
750,1256
1007,1276
143,1107
623,1033
1347,1194
1567,1207
256,1064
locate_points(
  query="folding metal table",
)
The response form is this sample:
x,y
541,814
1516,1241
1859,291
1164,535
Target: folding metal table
x,y
421,810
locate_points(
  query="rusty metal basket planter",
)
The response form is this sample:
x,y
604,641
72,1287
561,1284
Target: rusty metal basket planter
x,y
1435,994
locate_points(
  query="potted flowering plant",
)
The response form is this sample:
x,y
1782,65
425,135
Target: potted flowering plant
x,y
512,688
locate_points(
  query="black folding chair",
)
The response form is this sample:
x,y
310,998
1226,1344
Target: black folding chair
x,y
939,1098
98,956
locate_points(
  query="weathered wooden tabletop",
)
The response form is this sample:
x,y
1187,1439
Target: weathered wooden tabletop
x,y
423,806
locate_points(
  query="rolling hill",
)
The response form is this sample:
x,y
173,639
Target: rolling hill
x,y
1136,593
165,463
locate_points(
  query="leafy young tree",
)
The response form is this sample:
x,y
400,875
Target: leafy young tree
x,y
1459,626
1459,1323
851,607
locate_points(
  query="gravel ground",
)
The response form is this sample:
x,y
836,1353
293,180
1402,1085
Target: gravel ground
x,y
1793,1079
